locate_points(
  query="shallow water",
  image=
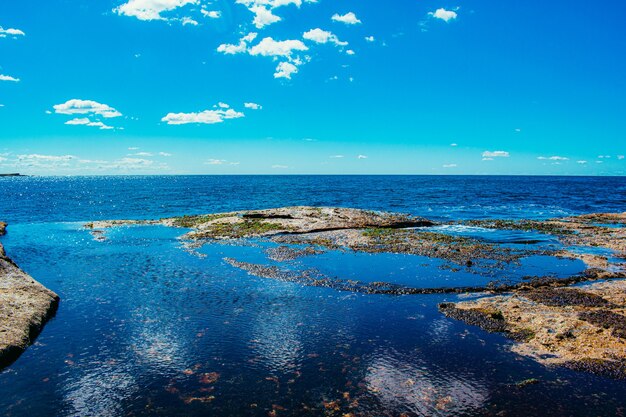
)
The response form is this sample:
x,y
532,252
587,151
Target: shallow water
x,y
147,328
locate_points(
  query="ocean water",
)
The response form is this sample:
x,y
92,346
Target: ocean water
x,y
146,327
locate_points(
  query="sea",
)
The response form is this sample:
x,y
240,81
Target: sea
x,y
147,326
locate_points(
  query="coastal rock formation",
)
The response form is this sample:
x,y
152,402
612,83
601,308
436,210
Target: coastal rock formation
x,y
293,220
581,328
25,307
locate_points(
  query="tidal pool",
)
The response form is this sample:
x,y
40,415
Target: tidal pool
x,y
146,327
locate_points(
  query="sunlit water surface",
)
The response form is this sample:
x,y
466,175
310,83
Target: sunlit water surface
x,y
147,328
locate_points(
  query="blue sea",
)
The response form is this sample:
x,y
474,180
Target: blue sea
x,y
148,327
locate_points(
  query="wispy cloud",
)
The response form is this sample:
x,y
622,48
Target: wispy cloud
x,y
252,106
553,158
495,154
220,162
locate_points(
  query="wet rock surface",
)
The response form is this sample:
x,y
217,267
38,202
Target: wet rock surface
x,y
25,307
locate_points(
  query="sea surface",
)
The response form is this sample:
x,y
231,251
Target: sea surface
x,y
147,327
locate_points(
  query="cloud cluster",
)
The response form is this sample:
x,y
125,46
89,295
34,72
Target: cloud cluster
x,y
90,109
269,47
73,164
287,51
218,114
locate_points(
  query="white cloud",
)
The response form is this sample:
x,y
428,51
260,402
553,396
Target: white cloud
x,y
203,117
581,162
487,159
144,154
150,9
279,167
443,14
553,158
449,166
336,156
188,21
222,105
348,18
350,52
213,14
133,148
361,157
263,17
133,162
454,145
77,106
322,36
44,161
604,156
220,162
370,39
8,78
495,154
165,154
10,32
620,157
242,47
84,121
262,9
252,106
270,47
285,70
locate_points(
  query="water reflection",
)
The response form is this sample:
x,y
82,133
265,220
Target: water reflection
x,y
418,387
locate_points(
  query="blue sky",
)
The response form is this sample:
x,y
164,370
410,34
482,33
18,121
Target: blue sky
x,y
296,86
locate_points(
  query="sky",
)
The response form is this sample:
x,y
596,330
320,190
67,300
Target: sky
x,y
515,87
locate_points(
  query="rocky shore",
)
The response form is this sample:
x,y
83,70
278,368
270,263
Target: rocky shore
x,y
25,307
582,327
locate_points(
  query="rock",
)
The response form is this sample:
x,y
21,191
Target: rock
x,y
25,307
579,328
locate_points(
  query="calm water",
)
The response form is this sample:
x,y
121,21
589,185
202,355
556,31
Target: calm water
x,y
147,328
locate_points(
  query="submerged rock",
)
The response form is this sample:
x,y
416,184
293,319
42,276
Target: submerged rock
x,y
25,307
